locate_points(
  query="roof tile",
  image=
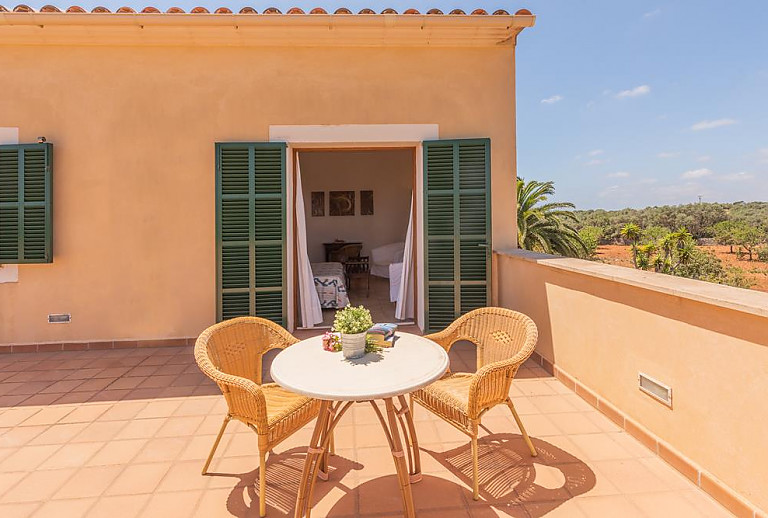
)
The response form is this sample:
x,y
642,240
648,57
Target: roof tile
x,y
22,8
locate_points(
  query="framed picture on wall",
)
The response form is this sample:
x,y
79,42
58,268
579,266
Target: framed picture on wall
x,y
318,203
366,203
341,203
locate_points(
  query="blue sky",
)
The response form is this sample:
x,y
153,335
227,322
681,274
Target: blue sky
x,y
625,103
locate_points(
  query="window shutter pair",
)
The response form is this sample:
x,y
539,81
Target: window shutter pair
x,y
26,233
250,230
457,228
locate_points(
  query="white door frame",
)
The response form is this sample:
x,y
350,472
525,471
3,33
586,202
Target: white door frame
x,y
355,135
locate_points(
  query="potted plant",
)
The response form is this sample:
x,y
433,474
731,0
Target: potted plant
x,y
353,324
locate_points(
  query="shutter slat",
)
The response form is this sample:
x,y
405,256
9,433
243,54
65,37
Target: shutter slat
x,y
9,234
235,305
251,230
441,306
34,175
34,233
457,233
25,188
9,175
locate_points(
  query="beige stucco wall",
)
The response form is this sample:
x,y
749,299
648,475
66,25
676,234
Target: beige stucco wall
x,y
603,331
134,130
389,174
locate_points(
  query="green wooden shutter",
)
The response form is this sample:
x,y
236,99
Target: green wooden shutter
x,y
457,228
26,224
250,230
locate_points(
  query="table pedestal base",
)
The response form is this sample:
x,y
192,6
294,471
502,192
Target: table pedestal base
x,y
401,436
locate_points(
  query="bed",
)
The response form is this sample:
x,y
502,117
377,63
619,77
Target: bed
x,y
330,285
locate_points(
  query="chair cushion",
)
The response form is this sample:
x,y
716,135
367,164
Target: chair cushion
x,y
282,404
448,397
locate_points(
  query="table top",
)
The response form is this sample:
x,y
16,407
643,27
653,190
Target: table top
x,y
410,364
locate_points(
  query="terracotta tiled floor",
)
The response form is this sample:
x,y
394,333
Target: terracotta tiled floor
x,y
124,433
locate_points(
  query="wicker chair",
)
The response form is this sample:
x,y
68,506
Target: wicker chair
x,y
504,340
231,354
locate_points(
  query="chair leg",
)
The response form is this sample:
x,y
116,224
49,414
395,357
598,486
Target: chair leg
x,y
475,483
262,484
216,443
527,439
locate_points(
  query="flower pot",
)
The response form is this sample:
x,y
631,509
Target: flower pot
x,y
353,346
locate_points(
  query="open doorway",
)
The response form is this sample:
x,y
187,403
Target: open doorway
x,y
359,230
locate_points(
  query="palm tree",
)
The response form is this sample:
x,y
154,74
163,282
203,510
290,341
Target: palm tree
x,y
546,227
632,233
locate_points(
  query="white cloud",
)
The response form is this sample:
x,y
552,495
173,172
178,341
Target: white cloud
x,y
705,125
703,158
652,14
668,154
762,155
634,92
737,177
679,193
609,191
552,100
596,161
619,174
596,152
696,173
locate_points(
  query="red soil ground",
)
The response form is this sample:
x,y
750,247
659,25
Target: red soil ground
x,y
755,271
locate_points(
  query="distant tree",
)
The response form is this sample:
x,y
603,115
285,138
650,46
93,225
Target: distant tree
x,y
591,237
632,233
654,233
747,236
724,233
667,254
546,227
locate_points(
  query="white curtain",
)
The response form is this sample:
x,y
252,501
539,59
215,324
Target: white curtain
x,y
311,312
404,306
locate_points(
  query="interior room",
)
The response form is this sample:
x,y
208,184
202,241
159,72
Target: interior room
x,y
357,209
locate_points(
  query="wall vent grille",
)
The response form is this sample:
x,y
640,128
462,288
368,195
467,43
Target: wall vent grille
x,y
59,318
655,389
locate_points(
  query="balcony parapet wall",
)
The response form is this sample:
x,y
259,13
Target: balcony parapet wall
x,y
601,325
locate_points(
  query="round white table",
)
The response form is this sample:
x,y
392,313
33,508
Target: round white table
x,y
410,364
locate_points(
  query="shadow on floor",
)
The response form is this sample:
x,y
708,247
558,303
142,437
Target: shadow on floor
x,y
509,476
283,477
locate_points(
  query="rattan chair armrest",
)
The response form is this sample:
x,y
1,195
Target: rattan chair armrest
x,y
490,384
443,338
253,407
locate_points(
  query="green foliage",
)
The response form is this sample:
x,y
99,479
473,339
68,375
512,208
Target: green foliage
x,y
632,233
762,254
352,320
698,218
747,236
654,233
723,231
706,266
546,227
591,236
667,254
676,254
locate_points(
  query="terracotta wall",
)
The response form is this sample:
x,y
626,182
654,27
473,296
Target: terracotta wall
x,y
604,329
134,130
389,174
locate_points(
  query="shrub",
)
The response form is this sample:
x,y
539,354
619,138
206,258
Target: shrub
x,y
352,320
762,254
591,237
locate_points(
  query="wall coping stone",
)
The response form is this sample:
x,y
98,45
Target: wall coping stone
x,y
737,299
